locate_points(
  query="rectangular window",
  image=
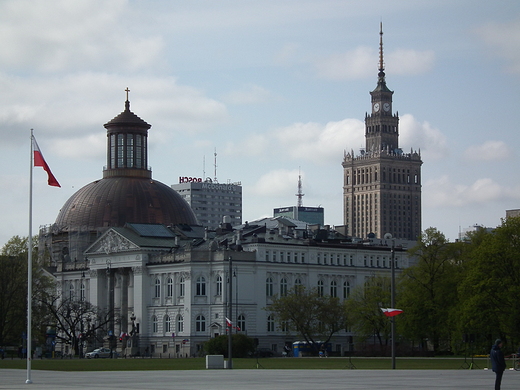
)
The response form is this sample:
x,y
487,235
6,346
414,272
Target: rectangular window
x,y
120,151
129,150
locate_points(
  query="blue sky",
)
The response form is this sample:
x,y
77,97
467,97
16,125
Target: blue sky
x,y
273,87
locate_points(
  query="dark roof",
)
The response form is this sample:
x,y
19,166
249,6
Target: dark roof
x,y
116,201
151,230
127,118
145,242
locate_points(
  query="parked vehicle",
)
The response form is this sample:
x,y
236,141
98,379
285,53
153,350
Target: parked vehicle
x,y
99,353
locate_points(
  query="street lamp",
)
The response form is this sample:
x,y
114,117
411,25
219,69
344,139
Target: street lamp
x,y
88,328
230,314
110,282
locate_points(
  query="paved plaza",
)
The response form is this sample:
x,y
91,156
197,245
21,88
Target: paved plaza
x,y
259,379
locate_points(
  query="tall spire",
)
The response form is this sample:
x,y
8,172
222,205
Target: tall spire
x,y
381,62
300,193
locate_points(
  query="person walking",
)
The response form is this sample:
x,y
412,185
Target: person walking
x,y
498,362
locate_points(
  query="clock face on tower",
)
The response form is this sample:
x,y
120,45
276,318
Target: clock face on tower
x,y
376,107
386,107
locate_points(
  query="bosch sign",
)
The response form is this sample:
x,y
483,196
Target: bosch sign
x,y
190,179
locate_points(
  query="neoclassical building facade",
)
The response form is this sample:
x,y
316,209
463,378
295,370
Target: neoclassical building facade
x,y
169,287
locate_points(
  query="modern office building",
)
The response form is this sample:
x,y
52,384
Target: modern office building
x,y
382,183
212,202
311,215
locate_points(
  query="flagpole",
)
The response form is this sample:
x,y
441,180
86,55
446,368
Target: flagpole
x,y
392,299
29,271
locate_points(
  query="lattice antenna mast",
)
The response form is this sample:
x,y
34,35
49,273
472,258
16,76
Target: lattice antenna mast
x,y
300,193
215,165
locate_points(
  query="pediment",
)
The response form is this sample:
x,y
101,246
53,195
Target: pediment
x,y
112,242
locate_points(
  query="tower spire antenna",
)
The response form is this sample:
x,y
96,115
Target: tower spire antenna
x,y
215,165
300,193
381,62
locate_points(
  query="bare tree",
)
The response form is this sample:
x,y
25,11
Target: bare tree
x,y
77,321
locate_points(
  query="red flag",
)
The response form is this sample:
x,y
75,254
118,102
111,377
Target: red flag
x,y
391,312
228,322
39,161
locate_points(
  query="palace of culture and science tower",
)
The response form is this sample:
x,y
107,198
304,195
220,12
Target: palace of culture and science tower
x,y
382,184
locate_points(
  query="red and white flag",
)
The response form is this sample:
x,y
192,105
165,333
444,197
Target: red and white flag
x,y
230,324
391,312
39,161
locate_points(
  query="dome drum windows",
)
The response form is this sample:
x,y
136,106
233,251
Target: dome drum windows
x,y
127,150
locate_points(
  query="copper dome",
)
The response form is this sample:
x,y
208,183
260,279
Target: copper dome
x,y
115,201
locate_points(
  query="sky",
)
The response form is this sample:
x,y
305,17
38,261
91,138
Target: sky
x,y
275,88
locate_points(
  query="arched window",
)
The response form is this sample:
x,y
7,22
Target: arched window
x,y
169,284
346,290
157,288
333,289
155,324
167,324
180,324
241,322
181,286
71,292
320,288
270,324
283,287
269,287
219,285
200,286
200,323
298,287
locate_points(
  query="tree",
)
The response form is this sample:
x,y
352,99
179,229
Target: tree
x,y
427,291
364,309
76,320
490,290
13,291
314,316
13,298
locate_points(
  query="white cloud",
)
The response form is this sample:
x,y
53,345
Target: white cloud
x,y
248,94
416,135
442,192
279,183
321,144
488,151
504,40
68,107
314,142
363,62
91,145
74,35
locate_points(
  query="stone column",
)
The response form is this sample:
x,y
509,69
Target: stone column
x,y
141,296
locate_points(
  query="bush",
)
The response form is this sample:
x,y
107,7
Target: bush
x,y
243,346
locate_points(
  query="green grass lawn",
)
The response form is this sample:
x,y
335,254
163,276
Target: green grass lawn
x,y
267,363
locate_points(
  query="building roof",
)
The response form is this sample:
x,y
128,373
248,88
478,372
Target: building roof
x,y
116,201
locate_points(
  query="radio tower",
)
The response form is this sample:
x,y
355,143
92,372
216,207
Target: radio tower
x,y
215,180
300,195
